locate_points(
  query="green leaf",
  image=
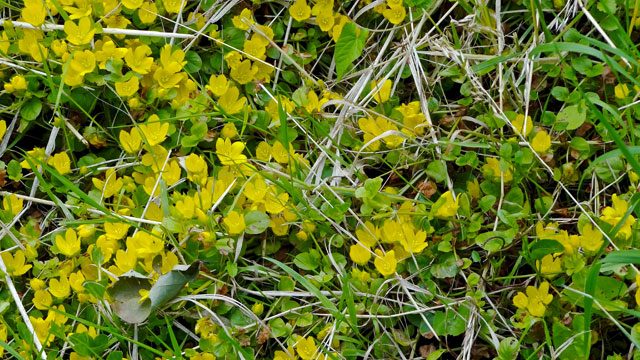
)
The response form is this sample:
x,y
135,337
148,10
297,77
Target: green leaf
x,y
256,222
307,260
14,170
573,116
194,62
31,109
542,248
349,47
170,284
85,345
437,170
622,257
126,295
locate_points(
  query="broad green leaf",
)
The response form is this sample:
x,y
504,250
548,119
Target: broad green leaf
x,y
349,47
170,284
256,222
542,248
31,109
126,298
573,116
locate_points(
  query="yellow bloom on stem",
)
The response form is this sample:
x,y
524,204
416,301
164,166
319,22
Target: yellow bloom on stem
x,y
229,131
148,12
110,185
230,153
15,264
82,62
34,12
621,91
492,169
306,348
131,141
385,264
234,222
154,131
197,169
541,142
244,20
138,59
591,238
535,301
613,215
243,73
80,33
68,245
17,83
325,19
360,253
300,10
13,204
128,88
218,85
395,15
447,206
519,124
61,163
384,92
413,241
42,299
60,288
229,101
132,4
173,6
549,266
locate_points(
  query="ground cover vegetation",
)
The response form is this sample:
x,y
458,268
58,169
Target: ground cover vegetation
x,y
417,179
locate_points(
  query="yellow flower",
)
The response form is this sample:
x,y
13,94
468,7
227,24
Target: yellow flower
x,y
81,33
413,241
306,348
37,284
83,62
42,328
144,244
128,88
111,184
218,85
374,128
519,124
60,288
383,93
3,335
591,238
116,230
173,6
15,264
244,20
492,169
360,254
131,141
59,47
263,151
300,10
535,301
541,142
613,215
234,222
395,15
17,83
197,169
279,153
621,91
123,262
325,18
229,131
148,12
243,73
68,245
61,163
385,264
549,266
132,4
255,48
138,59
13,204
230,153
447,206
42,299
34,12
473,189
229,101
154,131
